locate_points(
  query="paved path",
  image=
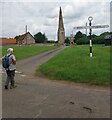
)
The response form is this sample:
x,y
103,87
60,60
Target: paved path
x,y
37,97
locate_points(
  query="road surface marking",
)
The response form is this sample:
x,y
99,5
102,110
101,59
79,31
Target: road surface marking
x,y
23,75
18,72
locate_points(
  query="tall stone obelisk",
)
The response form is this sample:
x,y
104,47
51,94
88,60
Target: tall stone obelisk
x,y
61,30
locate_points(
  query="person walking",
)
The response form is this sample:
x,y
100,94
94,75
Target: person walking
x,y
10,71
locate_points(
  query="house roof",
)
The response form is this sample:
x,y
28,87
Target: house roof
x,y
5,41
21,37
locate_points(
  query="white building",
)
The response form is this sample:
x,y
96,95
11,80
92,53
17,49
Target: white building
x,y
26,39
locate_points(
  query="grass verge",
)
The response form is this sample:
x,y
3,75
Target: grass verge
x,y
74,64
22,52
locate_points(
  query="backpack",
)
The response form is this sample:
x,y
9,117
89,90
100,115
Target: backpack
x,y
5,61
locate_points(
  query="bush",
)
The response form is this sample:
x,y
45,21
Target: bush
x,y
82,41
99,40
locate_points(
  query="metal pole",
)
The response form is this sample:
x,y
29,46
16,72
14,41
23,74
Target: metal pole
x,y
90,19
86,29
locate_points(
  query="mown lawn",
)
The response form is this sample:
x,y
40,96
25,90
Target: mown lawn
x,y
22,52
74,64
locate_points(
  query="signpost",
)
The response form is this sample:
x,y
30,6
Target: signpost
x,y
90,20
90,28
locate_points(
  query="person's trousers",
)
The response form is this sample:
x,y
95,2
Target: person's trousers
x,y
10,78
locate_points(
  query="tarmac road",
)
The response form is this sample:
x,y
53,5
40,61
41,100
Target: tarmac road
x,y
38,97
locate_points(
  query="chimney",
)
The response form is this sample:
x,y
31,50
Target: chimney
x,y
26,29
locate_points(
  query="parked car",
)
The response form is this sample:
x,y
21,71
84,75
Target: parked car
x,y
67,44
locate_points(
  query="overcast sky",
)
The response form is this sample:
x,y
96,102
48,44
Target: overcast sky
x,y
43,16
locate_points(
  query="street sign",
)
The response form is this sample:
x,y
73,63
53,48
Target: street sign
x,y
100,26
81,27
92,27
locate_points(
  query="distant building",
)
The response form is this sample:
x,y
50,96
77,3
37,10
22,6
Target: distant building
x,y
7,41
71,39
26,39
111,16
61,30
108,40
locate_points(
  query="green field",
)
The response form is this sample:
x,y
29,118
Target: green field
x,y
22,52
74,64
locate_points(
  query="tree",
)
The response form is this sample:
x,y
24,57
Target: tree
x,y
78,35
40,38
83,39
100,39
67,40
17,37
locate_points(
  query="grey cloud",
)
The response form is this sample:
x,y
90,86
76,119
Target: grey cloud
x,y
43,16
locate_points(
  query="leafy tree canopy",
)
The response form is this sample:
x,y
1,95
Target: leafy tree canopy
x,y
17,37
78,35
67,40
40,38
96,39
